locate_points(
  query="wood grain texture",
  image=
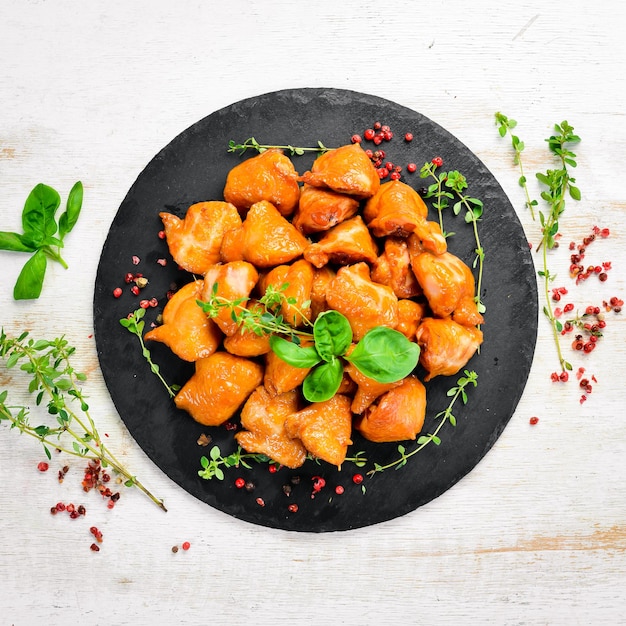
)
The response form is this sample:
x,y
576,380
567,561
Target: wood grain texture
x,y
535,534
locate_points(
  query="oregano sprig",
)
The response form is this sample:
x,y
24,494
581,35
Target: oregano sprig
x,y
55,383
456,393
506,125
450,186
134,323
559,185
252,144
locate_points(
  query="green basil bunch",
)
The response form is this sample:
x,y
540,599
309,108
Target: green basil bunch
x,y
42,235
383,354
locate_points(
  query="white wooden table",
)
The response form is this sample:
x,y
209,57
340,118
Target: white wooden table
x,y
536,533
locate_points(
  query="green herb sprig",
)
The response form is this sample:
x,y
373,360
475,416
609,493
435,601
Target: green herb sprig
x,y
252,144
134,323
42,236
458,392
506,125
56,385
456,183
559,185
214,465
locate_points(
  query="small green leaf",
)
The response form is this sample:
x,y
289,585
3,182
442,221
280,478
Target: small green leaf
x,y
385,355
68,220
14,243
38,214
30,281
332,334
294,355
323,381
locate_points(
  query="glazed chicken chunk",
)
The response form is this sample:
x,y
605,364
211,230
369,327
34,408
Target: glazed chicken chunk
x,y
446,346
393,268
345,170
320,209
220,385
263,418
265,238
186,329
448,285
368,389
324,428
269,176
194,241
398,210
399,414
348,242
366,304
298,277
234,281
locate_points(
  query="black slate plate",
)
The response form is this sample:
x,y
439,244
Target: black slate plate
x,y
193,168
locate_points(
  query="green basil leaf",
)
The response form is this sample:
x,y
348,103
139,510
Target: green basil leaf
x,y
38,214
30,280
323,382
332,334
291,353
385,355
14,242
68,220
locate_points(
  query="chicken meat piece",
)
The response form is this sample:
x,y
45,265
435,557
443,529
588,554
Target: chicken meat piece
x,y
269,176
324,428
195,241
393,268
263,418
448,285
322,277
320,209
232,282
265,238
220,385
398,415
280,377
366,304
246,342
186,329
410,314
298,279
345,170
398,210
446,346
348,242
368,389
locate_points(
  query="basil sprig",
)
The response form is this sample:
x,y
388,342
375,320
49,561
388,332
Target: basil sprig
x,y
383,354
41,235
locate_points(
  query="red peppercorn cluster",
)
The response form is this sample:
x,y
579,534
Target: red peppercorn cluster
x,y
96,478
73,511
377,134
577,269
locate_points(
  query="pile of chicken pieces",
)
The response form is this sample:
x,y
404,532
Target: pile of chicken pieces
x,y
340,239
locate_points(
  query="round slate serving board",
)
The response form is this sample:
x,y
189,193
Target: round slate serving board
x,y
193,168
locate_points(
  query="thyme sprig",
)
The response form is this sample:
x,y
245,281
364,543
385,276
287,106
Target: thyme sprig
x,y
456,183
265,318
56,384
506,125
558,185
214,465
457,392
134,323
252,144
